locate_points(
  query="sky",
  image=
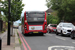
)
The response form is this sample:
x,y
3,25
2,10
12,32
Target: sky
x,y
34,5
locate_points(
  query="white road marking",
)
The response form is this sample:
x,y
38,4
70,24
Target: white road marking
x,y
55,49
65,47
62,49
60,38
73,42
69,49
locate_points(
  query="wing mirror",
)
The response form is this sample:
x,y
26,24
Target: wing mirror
x,y
48,14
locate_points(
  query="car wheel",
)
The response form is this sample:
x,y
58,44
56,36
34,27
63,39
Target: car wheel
x,y
26,34
61,33
49,31
72,37
57,32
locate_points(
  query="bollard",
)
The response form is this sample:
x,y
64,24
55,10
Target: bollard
x,y
0,43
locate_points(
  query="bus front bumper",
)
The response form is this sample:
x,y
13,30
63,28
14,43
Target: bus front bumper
x,y
35,32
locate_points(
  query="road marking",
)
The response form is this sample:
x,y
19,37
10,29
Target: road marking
x,y
26,42
57,49
73,42
22,42
60,38
64,47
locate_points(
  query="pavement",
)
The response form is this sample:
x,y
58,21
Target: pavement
x,y
14,42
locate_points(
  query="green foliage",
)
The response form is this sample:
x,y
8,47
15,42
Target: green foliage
x,y
17,34
65,9
0,17
20,24
16,9
6,24
52,19
4,18
20,41
2,31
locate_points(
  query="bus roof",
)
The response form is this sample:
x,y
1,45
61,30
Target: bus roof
x,y
35,11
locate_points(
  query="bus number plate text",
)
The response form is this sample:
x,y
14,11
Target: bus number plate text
x,y
35,32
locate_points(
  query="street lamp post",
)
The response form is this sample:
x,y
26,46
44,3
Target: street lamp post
x,y
8,37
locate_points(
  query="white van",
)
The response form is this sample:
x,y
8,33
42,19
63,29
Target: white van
x,y
15,25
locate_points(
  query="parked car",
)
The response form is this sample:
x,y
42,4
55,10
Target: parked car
x,y
51,28
64,28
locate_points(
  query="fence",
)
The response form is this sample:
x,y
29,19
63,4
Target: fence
x,y
1,25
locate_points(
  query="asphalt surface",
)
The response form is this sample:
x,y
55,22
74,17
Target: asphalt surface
x,y
50,41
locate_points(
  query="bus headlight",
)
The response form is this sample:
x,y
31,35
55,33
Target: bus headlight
x,y
25,27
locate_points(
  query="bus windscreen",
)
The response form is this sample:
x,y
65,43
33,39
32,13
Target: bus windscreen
x,y
35,17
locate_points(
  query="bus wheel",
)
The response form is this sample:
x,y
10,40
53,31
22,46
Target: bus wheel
x,y
26,34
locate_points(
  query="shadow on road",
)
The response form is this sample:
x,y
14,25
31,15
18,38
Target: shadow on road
x,y
32,35
52,33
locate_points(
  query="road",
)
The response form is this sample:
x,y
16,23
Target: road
x,y
50,41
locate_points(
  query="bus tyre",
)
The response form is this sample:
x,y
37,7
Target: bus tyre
x,y
25,34
42,34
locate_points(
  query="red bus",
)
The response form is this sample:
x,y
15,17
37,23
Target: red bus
x,y
34,22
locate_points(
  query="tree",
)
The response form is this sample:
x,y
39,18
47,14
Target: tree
x,y
0,10
52,19
65,9
16,10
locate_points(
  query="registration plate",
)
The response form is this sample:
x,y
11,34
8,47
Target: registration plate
x,y
35,32
54,29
